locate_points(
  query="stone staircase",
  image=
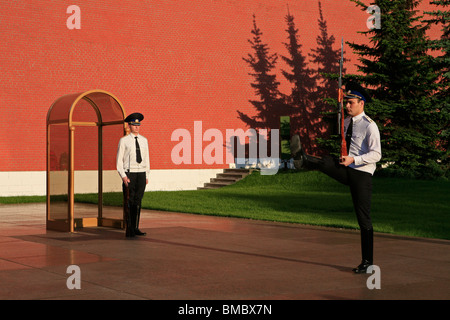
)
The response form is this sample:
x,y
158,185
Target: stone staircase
x,y
229,176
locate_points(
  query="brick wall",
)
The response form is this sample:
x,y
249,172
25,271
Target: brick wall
x,y
176,61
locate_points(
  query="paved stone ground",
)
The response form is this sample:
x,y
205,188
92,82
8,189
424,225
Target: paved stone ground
x,y
194,257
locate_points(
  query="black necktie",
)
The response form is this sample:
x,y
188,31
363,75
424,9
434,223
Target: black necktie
x,y
348,135
138,151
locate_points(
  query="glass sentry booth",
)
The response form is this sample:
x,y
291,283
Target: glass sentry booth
x,y
83,132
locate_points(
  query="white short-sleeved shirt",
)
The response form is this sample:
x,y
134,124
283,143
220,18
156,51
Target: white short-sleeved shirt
x,y
365,146
126,155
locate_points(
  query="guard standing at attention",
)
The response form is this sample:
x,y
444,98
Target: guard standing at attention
x,y
133,165
356,169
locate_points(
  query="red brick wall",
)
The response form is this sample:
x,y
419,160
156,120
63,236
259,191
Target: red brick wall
x,y
176,61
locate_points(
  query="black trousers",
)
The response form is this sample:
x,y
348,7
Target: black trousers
x,y
136,187
360,184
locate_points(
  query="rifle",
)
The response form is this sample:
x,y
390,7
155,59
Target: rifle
x,y
341,105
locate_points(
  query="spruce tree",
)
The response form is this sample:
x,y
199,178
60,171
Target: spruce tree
x,y
326,58
441,65
270,105
396,66
303,83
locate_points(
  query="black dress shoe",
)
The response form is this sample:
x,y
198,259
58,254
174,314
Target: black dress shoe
x,y
139,232
362,268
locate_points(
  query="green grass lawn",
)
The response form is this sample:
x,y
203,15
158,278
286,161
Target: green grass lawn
x,y
399,206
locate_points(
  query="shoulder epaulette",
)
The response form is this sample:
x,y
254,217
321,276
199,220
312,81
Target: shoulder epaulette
x,y
368,118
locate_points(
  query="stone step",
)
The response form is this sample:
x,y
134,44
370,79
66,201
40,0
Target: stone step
x,y
215,185
224,180
228,177
247,171
231,176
